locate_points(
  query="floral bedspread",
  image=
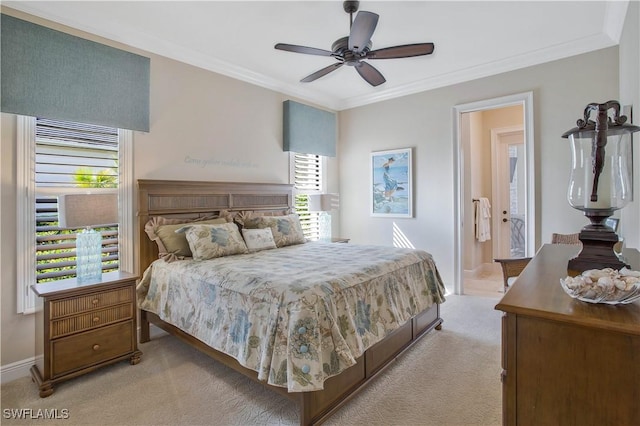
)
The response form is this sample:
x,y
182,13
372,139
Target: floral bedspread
x,y
296,315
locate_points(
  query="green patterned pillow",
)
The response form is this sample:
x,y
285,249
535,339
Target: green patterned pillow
x,y
210,241
286,229
177,243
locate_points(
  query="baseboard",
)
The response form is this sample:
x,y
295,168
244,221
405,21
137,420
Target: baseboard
x,y
19,369
487,268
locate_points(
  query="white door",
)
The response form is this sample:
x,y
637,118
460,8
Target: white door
x,y
509,219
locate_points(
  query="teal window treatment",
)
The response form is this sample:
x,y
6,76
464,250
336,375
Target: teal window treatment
x,y
48,73
309,130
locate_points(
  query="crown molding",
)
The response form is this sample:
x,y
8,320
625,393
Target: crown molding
x,y
560,51
614,16
615,12
142,41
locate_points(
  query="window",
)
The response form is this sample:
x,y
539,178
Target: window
x,y
308,172
71,156
58,157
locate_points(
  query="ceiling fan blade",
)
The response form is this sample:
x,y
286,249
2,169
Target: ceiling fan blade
x,y
370,74
362,29
404,51
324,71
303,49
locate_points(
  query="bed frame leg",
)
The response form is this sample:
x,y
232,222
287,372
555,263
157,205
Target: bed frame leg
x,y
144,327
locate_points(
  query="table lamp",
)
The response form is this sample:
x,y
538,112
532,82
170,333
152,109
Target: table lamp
x,y
325,204
88,210
600,181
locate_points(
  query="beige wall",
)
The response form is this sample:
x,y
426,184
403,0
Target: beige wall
x,y
203,126
17,330
561,89
477,183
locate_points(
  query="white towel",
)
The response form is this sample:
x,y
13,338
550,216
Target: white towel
x,y
483,219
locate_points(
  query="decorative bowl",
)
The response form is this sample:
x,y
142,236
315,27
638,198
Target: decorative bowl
x,y
607,285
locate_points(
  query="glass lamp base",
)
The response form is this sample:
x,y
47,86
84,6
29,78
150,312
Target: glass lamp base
x,y
324,226
88,256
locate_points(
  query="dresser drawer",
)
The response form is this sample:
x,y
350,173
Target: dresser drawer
x,y
89,320
93,347
92,301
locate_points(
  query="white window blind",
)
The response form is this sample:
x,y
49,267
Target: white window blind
x,y
308,179
71,157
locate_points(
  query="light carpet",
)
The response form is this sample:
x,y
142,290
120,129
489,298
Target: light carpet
x,y
450,377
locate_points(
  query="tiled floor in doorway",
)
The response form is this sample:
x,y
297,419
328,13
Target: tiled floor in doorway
x,y
485,280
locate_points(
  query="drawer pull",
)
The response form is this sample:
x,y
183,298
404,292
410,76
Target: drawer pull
x,y
96,319
96,347
95,301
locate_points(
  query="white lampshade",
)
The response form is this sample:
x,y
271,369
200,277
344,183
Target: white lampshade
x,y
80,210
323,202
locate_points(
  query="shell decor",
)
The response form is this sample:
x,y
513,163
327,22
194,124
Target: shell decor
x,y
604,286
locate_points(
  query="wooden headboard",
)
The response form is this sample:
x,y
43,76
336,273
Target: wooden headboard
x,y
192,199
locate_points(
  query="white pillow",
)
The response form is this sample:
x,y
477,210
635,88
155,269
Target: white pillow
x,y
258,239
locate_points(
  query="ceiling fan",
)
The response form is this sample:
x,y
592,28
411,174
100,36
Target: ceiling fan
x,y
355,48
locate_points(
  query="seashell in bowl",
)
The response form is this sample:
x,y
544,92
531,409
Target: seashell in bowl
x,y
604,286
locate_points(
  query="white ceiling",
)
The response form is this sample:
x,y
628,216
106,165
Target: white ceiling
x,y
472,39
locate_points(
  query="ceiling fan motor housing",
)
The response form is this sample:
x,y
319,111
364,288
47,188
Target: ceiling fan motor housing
x,y
351,6
341,50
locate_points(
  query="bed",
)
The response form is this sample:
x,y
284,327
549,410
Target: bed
x,y
294,318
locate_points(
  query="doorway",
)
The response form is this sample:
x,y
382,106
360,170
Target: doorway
x,y
493,160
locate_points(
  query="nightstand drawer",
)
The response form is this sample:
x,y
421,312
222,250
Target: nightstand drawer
x,y
83,350
89,320
79,304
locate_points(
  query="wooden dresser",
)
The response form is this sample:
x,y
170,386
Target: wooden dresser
x,y
567,362
82,327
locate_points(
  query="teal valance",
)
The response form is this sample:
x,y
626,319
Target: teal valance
x,y
51,74
309,130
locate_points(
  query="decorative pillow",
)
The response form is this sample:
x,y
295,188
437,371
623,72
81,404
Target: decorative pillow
x,y
258,239
209,241
286,229
241,216
172,246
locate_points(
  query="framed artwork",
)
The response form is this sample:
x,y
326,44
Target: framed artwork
x,y
391,183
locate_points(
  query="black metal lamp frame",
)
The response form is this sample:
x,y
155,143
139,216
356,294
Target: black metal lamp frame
x,y
598,239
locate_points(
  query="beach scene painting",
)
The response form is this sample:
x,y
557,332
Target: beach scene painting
x,y
391,179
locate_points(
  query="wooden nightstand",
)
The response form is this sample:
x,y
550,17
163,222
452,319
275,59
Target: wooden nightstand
x,y
82,327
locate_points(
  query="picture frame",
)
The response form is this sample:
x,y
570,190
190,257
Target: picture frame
x,y
391,189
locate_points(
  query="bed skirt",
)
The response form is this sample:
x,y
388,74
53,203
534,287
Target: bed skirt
x,y
317,406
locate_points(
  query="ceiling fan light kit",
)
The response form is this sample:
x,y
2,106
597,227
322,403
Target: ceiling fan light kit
x,y
353,49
